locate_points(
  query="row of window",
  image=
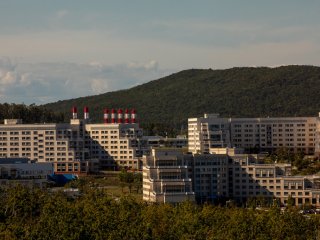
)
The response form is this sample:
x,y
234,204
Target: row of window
x,y
102,132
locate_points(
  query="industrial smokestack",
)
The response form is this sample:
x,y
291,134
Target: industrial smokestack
x,y
86,113
126,116
113,116
74,113
120,115
106,115
133,116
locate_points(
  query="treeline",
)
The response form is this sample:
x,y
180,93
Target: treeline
x,y
37,214
29,114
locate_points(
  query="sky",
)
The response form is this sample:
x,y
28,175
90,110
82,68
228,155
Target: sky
x,y
63,49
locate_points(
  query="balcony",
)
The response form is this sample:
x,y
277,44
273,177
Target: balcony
x,y
167,167
170,180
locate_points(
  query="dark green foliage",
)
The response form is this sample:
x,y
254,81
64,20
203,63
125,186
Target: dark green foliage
x,y
130,179
302,165
29,114
37,214
165,104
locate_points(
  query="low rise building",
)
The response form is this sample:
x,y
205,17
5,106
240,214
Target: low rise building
x,y
22,171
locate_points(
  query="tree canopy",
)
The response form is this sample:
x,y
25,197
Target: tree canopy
x,y
29,114
40,214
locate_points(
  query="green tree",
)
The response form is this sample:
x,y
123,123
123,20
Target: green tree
x,y
138,181
126,178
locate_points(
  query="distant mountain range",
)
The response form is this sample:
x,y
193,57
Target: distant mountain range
x,y
235,92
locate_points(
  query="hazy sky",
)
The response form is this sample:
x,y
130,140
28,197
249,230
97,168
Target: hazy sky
x,y
61,49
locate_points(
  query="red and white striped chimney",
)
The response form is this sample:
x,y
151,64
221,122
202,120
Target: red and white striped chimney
x,y
106,115
133,116
74,113
120,116
86,113
113,116
126,116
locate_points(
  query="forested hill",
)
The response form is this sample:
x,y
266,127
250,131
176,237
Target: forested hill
x,y
236,92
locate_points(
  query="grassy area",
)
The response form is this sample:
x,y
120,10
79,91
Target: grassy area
x,y
110,183
117,192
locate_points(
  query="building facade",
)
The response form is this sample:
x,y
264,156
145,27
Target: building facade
x,y
171,176
22,171
254,134
75,147
242,177
115,144
147,142
167,176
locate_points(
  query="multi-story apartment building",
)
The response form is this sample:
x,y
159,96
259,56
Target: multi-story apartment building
x,y
78,146
254,134
241,177
208,133
114,144
167,176
227,175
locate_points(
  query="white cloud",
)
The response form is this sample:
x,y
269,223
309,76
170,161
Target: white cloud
x,y
25,79
7,74
8,78
99,86
96,64
62,13
151,65
47,82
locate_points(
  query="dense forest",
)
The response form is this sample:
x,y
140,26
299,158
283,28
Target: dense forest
x,y
237,92
29,114
38,214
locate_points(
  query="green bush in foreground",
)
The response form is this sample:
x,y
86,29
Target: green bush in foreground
x,y
36,214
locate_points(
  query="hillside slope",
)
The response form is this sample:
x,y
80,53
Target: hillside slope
x,y
236,92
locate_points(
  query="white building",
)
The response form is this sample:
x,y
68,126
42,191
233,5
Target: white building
x,y
254,134
75,147
241,177
167,176
114,144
